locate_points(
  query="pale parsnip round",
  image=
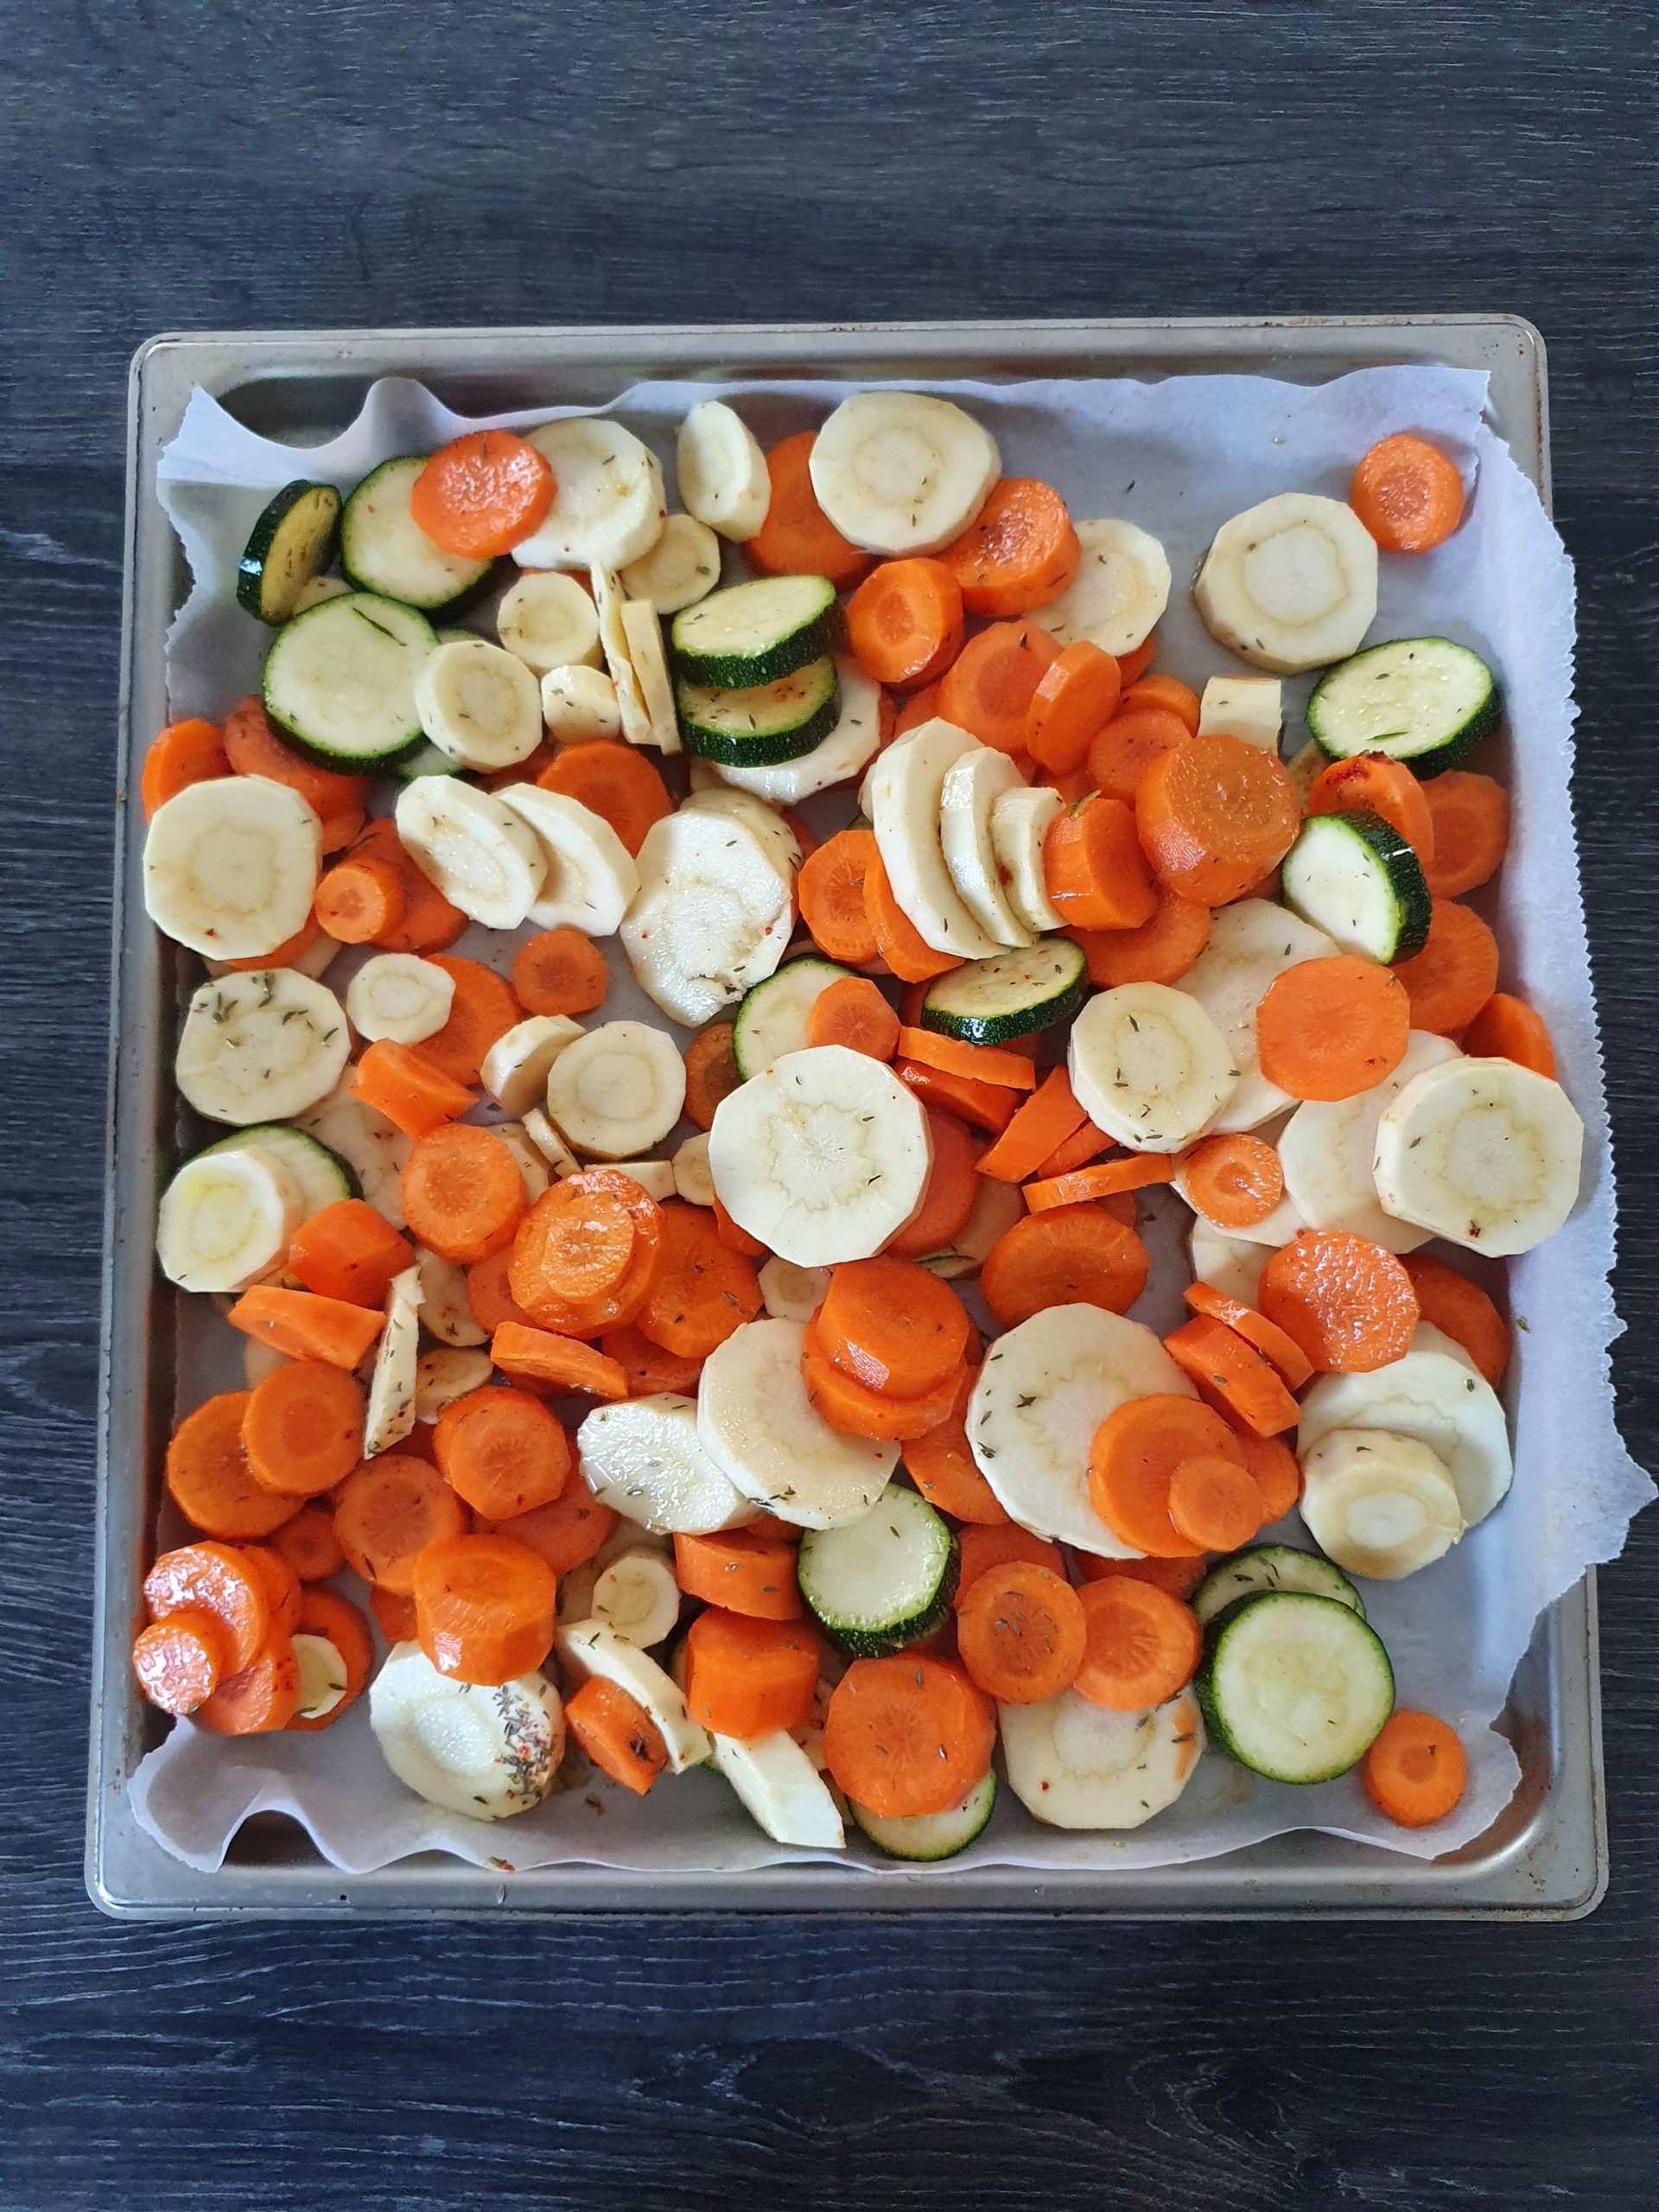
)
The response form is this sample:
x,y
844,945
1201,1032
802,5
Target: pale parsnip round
x,y
681,568
792,1293
1118,596
1326,1152
903,795
1290,584
693,1180
446,1309
900,472
842,753
446,1373
259,1360
1378,1504
646,1459
579,703
548,1141
636,1595
723,472
617,1091
515,1068
607,505
757,1422
712,916
479,853
590,877
758,814
322,1676
1482,1152
261,1046
1020,821
1434,1394
231,866
549,621
479,704
1228,1263
225,1219
1148,1065
397,998
484,1752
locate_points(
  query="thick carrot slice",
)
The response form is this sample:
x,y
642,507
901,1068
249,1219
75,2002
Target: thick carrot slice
x,y
1160,952
484,1607
1180,1577
577,1243
711,1071
254,748
1461,1310
994,1544
943,1468
208,1475
191,752
302,1430
907,1735
830,889
1077,1150
649,1367
360,898
349,1251
1372,783
747,1675
1331,1028
1075,699
1072,1255
1020,1631
1471,818
904,616
309,1543
797,537
1268,1337
1231,1373
1043,1122
1215,815
1235,1181
482,494
395,1611
1277,1471
388,1511
750,1571
1454,974
566,1532
219,1580
983,1105
1407,493
1349,1304
1140,1645
1165,695
502,1452
489,1293
617,1733
898,941
1135,1452
1416,1770
428,924
287,954
615,781
1507,1029
852,1407
463,1193
703,1290
563,1362
1214,1503
325,1612
560,971
853,1013
1018,552
1121,754
922,706
282,1584
1135,664
1139,1172
1094,869
264,1697
180,1660
413,1094
480,1013
989,687
734,1238
976,1062
952,1187
893,1326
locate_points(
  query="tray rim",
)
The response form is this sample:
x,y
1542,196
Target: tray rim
x,y
1555,1868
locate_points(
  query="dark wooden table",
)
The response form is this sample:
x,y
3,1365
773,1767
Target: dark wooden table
x,y
169,165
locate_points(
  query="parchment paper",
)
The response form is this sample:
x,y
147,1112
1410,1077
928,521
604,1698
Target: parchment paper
x,y
1178,458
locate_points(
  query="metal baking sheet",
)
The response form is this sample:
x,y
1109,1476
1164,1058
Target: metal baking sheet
x,y
1545,1859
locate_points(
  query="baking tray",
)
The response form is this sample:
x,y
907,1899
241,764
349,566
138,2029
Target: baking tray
x,y
1545,1859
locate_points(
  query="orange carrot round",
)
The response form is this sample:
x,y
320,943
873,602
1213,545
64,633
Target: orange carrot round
x,y
649,1367
904,616
1138,1171
1167,695
1407,493
1135,664
853,1013
1075,698
617,1733
360,899
1277,1471
1329,1029
843,1402
1235,1181
748,1677
179,1662
615,781
1180,1577
1417,1769
309,1543
303,1431
943,1468
798,538
560,971
1454,974
489,1293
921,706
1140,1645
1270,1340
414,1095
210,1480
1022,1632
734,1238
898,941
1507,1029
703,1290
220,1580
992,1544
751,1571
325,1612
282,1584
562,1363
349,1252
1121,754
1215,815
1461,1310
711,1070
587,1253
1073,1255
1160,952
484,1607
989,687
502,1452
395,1610
1372,783
463,1193
1018,552
388,1511
907,1735
190,751
566,1533
481,1012
264,1697
1094,869
1348,1303
254,748
893,1326
952,1187
1470,816
482,494
1232,1375
428,924
1136,1451
831,890
1214,1503
287,954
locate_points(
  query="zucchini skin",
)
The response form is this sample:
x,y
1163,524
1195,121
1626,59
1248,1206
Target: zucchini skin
x,y
756,748
252,570
1018,1021
465,592
1435,760
732,669
1211,1704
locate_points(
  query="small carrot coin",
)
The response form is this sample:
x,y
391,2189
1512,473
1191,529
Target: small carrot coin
x,y
360,899
902,618
1140,1645
831,890
1180,1577
1235,1181
1160,952
560,971
953,1187
1167,694
191,752
1328,1029
565,1532
898,941
325,1613
1349,1304
264,1697
851,1407
1215,815
1074,1254
1094,869
561,1363
617,1733
1407,493
484,1607
893,1326
1214,1503
907,1735
216,1579
702,1292
1135,1454
1075,698
1461,1310
992,1544
489,1293
1454,974
1507,1029
649,1367
1277,1471
1416,1770
1018,552
180,1660
1470,815
482,494
481,1012
309,1543
853,1013
941,1465
502,1452
1021,1633
746,1676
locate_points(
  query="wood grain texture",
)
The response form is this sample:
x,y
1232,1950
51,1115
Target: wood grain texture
x,y
168,165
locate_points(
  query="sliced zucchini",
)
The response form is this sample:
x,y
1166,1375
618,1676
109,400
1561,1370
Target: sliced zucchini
x,y
323,1177
764,723
884,1581
771,1019
341,679
1295,1687
929,1836
1355,877
384,549
1010,995
1422,700
426,759
1272,1567
754,632
293,539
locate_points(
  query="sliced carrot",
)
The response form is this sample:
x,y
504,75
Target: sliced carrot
x,y
898,941
750,1571
1348,1303
982,1105
1372,783
388,1511
190,751
264,1697
942,1466
1122,1206
1165,695
309,1543
1214,1503
703,1290
853,1013
304,1327
1230,1373
616,782
302,1430
282,1584
428,924
797,537
1215,815
462,1193
907,1735
647,1367
360,898
747,1675
1073,1255
1121,754
1077,1150
502,1452
831,890
1135,664
1507,1029
922,706
1454,974
989,687
977,1063
1075,698
1018,552
481,1012
1277,1471
1471,818
1329,1029
209,1478
484,1607
530,770
254,747
734,1238
1140,1645
844,1403
567,1532
1137,1173
1022,1632
1136,1451
482,494
1407,493
1235,1180
952,1187
617,1733
893,1326
413,1094
1094,869
988,1545
563,1362
325,1612
291,950
1416,1770
1042,1121
219,1580
1268,1337
489,1293
180,1660
349,1251
395,1610
1461,1310
904,616
587,1253
560,971
711,1071
1180,1577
